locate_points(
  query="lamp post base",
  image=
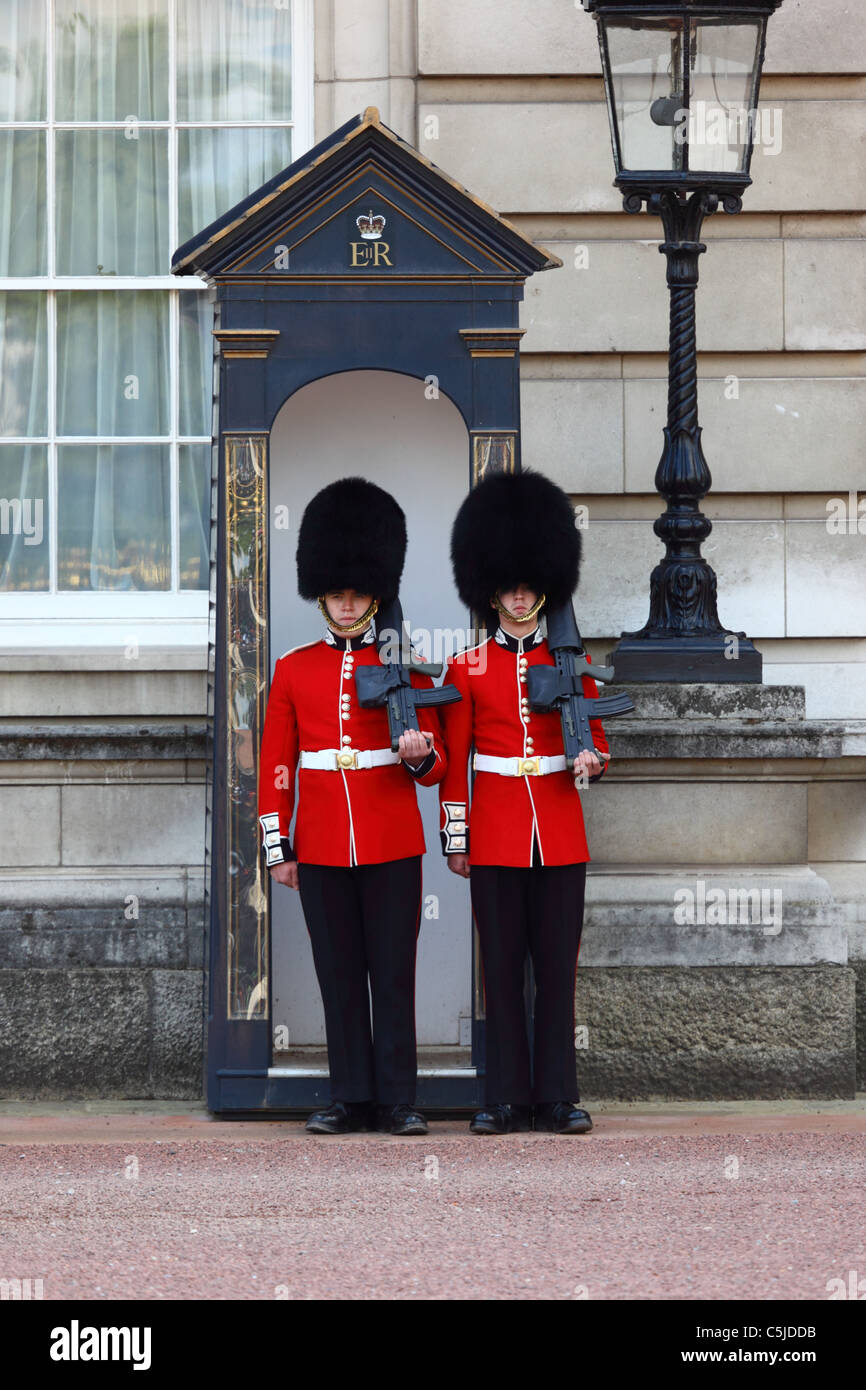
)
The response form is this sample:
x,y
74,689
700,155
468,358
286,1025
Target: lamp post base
x,y
724,657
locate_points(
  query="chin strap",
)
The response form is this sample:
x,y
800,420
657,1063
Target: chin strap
x,y
512,617
351,627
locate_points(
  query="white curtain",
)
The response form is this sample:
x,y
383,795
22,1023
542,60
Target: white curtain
x,y
113,517
112,203
220,167
234,63
22,60
111,60
22,202
234,60
112,185
23,412
121,388
23,363
194,498
24,557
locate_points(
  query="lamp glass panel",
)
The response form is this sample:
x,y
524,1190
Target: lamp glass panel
x,y
723,80
647,91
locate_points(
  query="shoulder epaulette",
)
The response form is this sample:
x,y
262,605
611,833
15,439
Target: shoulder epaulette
x,y
300,647
464,651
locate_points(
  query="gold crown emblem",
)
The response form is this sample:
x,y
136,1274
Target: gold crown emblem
x,y
371,225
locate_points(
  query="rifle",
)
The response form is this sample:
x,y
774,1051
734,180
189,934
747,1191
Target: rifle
x,y
560,688
390,684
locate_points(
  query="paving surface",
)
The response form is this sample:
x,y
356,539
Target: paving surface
x,y
667,1201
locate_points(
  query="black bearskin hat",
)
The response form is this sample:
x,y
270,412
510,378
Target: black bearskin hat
x,y
515,528
352,536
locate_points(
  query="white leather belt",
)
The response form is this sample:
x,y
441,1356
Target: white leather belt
x,y
519,767
345,759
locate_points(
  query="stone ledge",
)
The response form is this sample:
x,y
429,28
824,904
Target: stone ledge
x,y
25,742
747,703
75,919
55,890
792,919
708,739
95,941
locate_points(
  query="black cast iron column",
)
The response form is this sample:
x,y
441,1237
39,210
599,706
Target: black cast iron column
x,y
683,639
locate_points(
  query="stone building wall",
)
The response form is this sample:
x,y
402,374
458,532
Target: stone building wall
x,y
101,759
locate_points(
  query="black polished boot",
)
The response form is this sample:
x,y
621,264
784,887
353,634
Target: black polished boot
x,y
501,1119
563,1117
343,1117
400,1119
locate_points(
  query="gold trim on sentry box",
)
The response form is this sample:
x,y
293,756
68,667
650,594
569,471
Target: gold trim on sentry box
x,y
371,118
245,342
246,687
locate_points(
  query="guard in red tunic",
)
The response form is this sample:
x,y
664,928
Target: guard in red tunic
x,y
358,836
516,550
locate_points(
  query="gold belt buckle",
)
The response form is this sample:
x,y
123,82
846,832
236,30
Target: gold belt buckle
x,y
346,759
529,767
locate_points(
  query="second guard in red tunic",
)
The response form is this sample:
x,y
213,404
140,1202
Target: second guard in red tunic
x,y
523,800
519,833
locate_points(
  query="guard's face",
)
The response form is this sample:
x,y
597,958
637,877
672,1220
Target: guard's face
x,y
346,606
518,601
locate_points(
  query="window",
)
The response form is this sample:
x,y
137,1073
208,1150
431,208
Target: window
x,y
125,127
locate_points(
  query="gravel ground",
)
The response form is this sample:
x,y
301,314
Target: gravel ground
x,y
664,1202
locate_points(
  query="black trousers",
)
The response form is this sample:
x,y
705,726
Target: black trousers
x,y
539,910
363,924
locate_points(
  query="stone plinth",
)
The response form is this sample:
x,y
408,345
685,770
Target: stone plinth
x,y
709,922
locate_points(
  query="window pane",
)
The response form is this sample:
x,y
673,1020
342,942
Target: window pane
x,y
111,60
194,497
113,517
196,363
24,521
22,60
112,362
112,202
234,60
23,364
217,168
22,202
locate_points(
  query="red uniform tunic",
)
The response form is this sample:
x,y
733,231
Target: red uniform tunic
x,y
507,812
357,816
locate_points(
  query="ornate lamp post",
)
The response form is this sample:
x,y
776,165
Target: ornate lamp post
x,y
681,81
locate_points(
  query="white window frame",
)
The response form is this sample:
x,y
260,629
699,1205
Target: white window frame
x,y
52,619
